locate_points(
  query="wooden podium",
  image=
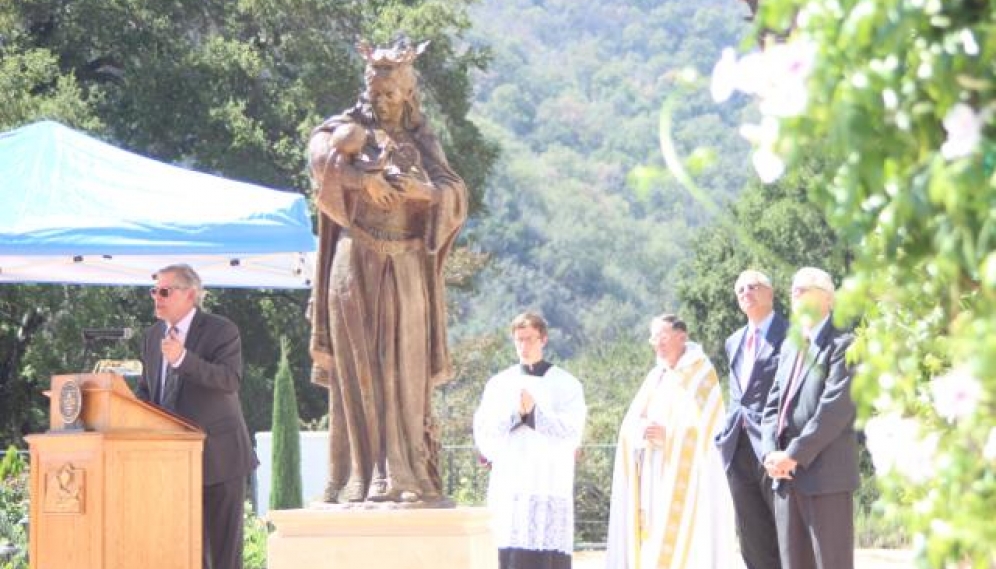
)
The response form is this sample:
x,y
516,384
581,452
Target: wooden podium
x,y
123,492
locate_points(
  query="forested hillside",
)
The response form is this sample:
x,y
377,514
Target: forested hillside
x,y
574,96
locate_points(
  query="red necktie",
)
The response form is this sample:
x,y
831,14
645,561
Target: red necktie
x,y
748,357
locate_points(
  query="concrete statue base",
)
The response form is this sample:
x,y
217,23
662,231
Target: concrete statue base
x,y
344,537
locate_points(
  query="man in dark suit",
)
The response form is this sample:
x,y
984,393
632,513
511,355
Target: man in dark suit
x,y
192,366
809,444
753,355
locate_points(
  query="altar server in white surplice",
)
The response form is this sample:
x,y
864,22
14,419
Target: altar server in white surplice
x,y
528,427
671,505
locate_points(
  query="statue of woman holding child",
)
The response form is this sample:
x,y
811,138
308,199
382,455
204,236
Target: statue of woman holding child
x,y
390,208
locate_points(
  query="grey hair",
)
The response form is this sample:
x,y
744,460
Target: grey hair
x,y
187,277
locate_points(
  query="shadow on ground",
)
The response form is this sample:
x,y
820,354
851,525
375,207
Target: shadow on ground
x,y
863,559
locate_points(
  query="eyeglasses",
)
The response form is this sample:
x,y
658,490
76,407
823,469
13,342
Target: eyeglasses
x,y
748,288
164,291
805,289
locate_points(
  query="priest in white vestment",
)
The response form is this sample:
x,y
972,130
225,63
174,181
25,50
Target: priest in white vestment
x,y
671,506
528,427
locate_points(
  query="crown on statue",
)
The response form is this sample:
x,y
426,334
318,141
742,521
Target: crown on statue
x,y
400,52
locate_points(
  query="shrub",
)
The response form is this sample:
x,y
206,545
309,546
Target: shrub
x,y
285,489
13,511
254,537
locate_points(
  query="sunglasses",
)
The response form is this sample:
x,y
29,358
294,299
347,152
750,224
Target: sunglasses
x,y
748,288
164,291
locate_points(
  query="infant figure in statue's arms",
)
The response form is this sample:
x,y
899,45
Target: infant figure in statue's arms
x,y
348,141
372,151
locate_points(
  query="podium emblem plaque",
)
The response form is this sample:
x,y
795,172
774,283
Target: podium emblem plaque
x,y
70,404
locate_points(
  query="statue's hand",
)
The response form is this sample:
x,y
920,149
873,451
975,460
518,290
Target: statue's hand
x,y
412,188
380,191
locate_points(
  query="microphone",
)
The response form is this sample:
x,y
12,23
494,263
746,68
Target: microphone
x,y
91,334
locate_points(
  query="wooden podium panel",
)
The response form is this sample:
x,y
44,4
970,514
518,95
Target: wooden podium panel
x,y
125,493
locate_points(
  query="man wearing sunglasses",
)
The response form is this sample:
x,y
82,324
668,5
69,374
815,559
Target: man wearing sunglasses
x,y
753,355
192,366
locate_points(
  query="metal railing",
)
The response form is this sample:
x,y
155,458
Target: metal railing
x,y
465,479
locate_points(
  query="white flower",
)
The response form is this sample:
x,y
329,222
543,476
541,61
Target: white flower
x,y
752,73
917,464
989,451
890,100
789,100
886,436
895,445
968,40
764,134
724,76
768,165
964,128
786,68
956,394
777,76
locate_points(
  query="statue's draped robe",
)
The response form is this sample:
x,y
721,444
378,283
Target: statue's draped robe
x,y
379,321
531,485
671,506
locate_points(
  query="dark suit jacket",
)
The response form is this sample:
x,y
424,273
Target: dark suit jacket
x,y
210,377
746,408
819,431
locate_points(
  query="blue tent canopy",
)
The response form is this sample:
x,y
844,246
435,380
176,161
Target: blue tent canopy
x,y
78,210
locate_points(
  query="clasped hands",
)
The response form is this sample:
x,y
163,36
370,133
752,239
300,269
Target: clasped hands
x,y
526,403
779,465
386,192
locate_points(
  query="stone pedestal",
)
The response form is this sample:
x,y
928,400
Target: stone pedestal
x,y
458,538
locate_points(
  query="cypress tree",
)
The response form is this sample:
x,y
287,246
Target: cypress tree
x,y
285,486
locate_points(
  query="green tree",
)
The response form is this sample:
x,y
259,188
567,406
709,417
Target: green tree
x,y
35,86
235,87
900,97
285,488
773,228
41,335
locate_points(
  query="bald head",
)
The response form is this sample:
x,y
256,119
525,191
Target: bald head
x,y
812,292
755,296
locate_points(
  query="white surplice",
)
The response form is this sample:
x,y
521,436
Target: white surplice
x,y
671,506
531,486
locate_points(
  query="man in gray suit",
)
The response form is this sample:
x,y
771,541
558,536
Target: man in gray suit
x,y
192,366
809,444
753,355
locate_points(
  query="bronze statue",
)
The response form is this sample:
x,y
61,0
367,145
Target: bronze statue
x,y
390,208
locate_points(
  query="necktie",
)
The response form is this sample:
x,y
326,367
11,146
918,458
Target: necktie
x,y
793,380
171,381
747,357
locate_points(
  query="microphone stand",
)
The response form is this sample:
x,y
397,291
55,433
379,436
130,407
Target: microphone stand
x,y
90,340
87,345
